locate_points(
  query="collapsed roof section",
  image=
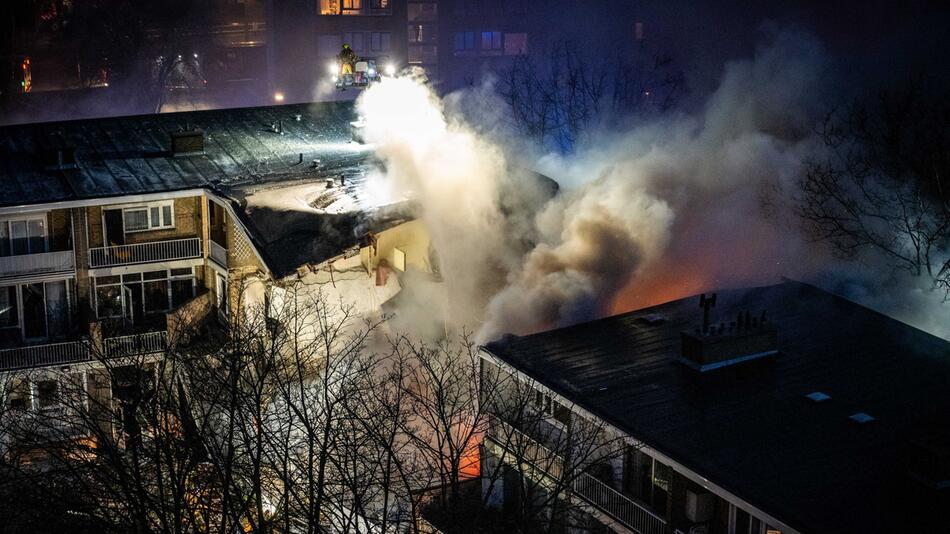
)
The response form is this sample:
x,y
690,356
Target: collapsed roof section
x,y
292,173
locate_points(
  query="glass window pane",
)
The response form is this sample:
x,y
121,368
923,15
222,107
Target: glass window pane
x,y
57,308
108,301
106,280
4,238
155,275
18,230
8,307
156,296
182,291
153,217
167,219
37,231
185,271
47,392
34,311
135,220
134,277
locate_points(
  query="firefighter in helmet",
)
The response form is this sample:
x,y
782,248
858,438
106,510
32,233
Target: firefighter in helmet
x,y
347,59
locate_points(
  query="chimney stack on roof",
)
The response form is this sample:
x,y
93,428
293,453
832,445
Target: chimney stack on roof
x,y
747,338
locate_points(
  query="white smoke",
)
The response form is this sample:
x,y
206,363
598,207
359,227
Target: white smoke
x,y
667,208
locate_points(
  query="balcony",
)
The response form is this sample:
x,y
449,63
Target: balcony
x,y
45,262
601,496
136,344
33,356
174,249
218,253
44,355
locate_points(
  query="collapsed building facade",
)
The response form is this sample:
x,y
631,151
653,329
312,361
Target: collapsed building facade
x,y
117,234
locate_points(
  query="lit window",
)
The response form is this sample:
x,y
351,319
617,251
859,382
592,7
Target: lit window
x,y
329,7
351,7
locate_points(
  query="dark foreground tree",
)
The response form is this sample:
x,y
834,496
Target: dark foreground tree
x,y
884,186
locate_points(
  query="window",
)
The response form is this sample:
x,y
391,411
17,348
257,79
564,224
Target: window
x,y
351,7
151,217
355,40
423,12
379,4
138,294
380,41
542,403
516,44
329,45
47,394
108,297
23,236
329,7
491,41
9,318
464,41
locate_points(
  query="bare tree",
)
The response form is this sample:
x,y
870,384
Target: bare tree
x,y
883,186
556,101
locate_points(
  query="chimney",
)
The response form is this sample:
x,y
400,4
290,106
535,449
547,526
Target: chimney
x,y
745,339
188,142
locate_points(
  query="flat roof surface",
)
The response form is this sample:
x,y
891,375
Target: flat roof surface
x,y
750,428
293,217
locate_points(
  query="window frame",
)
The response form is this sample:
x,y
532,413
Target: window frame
x,y
151,225
167,278
26,220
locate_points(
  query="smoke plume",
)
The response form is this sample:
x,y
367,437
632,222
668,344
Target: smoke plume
x,y
670,206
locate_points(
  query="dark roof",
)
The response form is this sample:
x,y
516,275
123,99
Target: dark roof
x,y
242,156
749,428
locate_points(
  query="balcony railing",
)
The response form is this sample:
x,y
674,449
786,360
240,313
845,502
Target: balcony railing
x,y
45,262
136,344
218,253
44,355
175,249
597,493
79,351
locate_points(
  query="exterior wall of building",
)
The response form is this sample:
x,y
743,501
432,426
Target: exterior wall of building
x,y
409,240
639,478
187,214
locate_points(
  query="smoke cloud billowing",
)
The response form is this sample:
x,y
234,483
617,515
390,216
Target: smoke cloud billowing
x,y
670,207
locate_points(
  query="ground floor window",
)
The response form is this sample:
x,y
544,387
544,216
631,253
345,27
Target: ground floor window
x,y
136,295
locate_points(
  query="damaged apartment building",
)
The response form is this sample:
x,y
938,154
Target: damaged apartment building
x,y
115,232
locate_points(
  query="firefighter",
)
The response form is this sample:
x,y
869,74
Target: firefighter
x,y
347,59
